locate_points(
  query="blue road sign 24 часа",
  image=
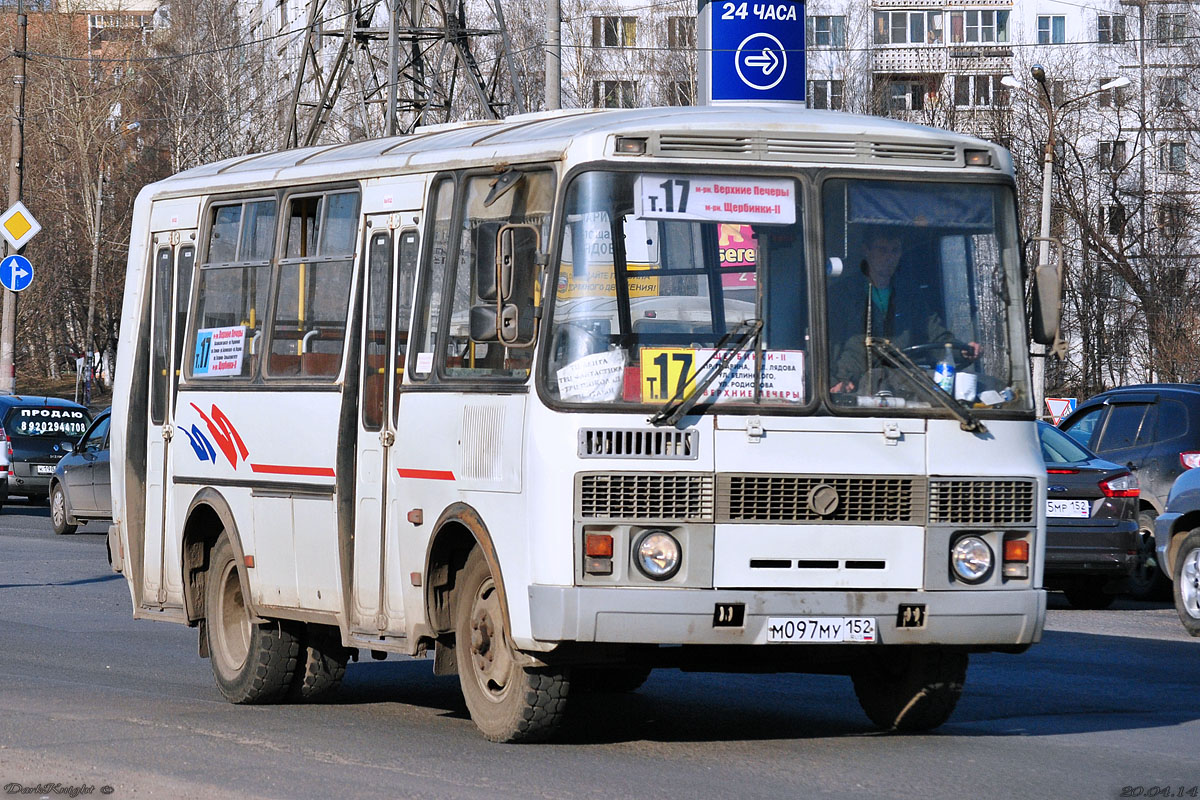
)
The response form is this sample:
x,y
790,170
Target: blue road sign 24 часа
x,y
16,273
756,50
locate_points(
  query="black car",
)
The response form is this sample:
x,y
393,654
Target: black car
x,y
1091,521
1178,533
39,431
81,489
1154,429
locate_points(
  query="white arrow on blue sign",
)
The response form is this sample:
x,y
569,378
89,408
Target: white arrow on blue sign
x,y
16,273
755,50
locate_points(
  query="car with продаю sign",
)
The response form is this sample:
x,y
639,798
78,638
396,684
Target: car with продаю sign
x,y
36,433
1091,521
81,489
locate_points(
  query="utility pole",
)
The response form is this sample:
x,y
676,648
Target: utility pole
x,y
390,124
88,350
8,325
553,54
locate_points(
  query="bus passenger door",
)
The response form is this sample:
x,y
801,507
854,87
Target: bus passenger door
x,y
171,284
390,269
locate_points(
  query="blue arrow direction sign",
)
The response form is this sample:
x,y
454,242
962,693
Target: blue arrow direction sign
x,y
16,273
756,50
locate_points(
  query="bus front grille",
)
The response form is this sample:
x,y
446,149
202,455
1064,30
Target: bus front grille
x,y
820,499
674,497
981,502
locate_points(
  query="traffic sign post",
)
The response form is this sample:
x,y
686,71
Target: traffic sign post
x,y
16,273
753,51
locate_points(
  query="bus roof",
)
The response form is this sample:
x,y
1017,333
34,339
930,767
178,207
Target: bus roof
x,y
727,132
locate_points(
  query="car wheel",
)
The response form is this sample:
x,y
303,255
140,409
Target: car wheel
x,y
913,689
1088,593
58,511
1147,582
253,662
508,700
1187,583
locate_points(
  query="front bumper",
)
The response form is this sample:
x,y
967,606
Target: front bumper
x,y
686,616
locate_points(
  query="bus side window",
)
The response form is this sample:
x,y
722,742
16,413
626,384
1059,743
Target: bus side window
x,y
379,295
406,277
528,203
313,293
160,337
428,315
231,294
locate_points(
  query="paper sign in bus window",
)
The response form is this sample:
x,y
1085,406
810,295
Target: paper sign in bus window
x,y
219,352
596,378
748,201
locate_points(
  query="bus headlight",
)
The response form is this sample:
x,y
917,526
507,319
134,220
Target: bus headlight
x,y
657,554
971,559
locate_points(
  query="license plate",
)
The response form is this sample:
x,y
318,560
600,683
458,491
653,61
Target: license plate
x,y
821,629
1076,509
45,469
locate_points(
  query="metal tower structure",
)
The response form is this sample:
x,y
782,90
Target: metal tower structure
x,y
390,65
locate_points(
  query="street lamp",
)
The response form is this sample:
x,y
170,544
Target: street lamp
x,y
1038,72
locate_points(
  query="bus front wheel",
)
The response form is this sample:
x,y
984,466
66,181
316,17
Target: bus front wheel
x,y
508,701
253,662
912,689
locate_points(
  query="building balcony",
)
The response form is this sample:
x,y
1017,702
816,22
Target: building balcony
x,y
909,60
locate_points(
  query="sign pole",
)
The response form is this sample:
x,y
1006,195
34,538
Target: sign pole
x,y
8,325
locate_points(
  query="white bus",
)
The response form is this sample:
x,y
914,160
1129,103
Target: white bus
x,y
564,398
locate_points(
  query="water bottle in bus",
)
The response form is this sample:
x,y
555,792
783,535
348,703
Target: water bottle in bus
x,y
943,374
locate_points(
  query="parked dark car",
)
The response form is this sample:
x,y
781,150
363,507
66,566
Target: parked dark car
x,y
81,488
1091,521
39,431
1154,429
1178,534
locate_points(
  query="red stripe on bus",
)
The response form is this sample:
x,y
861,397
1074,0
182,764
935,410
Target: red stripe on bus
x,y
427,474
279,469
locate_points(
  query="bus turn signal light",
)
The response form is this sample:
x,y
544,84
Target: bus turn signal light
x,y
598,551
1016,558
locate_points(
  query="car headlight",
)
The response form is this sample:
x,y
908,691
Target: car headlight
x,y
971,558
657,554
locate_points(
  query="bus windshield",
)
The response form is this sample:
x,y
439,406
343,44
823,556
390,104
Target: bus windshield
x,y
659,270
656,270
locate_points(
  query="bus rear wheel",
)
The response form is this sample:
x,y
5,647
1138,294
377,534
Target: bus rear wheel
x,y
253,662
508,701
913,689
320,666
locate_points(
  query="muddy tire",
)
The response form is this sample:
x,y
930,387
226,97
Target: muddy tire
x,y
1147,581
913,689
1187,582
508,701
320,666
253,662
59,519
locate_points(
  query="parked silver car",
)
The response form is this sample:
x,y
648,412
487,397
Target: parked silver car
x,y
80,489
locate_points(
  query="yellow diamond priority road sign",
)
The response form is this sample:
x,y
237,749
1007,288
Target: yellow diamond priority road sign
x,y
18,226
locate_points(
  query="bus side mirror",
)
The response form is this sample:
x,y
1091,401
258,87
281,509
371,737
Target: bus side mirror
x,y
1047,293
510,283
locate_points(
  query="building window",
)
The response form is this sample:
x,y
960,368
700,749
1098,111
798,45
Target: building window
x,y
1052,29
825,94
681,93
908,27
1170,217
1171,92
681,33
614,31
828,32
614,94
1171,29
905,95
978,26
1110,98
979,91
1112,219
1173,157
1112,155
1110,29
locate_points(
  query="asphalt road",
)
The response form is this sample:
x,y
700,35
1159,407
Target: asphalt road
x,y
1107,706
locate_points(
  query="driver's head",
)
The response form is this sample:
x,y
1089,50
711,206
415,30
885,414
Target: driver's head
x,y
883,251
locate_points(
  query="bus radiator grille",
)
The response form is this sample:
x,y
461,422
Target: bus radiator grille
x,y
821,498
674,497
965,501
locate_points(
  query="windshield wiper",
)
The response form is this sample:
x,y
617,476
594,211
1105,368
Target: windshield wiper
x,y
966,420
725,352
